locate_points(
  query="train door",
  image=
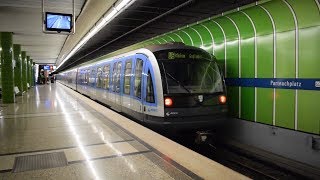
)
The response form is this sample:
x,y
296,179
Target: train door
x,y
116,85
92,82
148,92
77,76
136,100
127,81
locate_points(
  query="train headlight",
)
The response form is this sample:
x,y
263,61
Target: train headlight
x,y
222,99
168,101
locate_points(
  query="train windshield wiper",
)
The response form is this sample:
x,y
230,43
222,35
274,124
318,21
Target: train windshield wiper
x,y
178,82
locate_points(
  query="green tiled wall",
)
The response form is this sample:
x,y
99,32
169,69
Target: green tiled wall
x,y
268,39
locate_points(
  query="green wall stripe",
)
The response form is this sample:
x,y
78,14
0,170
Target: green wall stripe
x,y
188,37
156,41
306,12
163,39
180,39
171,39
212,39
232,60
264,58
239,65
296,62
255,63
274,64
308,15
201,40
225,47
185,37
196,38
318,4
160,40
285,61
246,63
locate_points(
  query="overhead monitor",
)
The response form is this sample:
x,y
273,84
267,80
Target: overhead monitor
x,y
46,67
58,22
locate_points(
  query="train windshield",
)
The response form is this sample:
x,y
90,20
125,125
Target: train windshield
x,y
190,76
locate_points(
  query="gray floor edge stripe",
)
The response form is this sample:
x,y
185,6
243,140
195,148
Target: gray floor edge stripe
x,y
67,147
93,159
112,156
174,163
21,116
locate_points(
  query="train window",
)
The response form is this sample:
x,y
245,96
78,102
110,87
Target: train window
x,y
87,76
137,79
150,91
127,76
99,77
106,77
117,83
92,77
114,76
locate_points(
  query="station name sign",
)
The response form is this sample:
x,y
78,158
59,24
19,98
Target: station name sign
x,y
281,83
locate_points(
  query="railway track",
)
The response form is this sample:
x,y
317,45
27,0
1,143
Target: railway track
x,y
239,160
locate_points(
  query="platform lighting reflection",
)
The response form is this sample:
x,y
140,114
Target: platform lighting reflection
x,y
37,97
99,25
96,130
75,135
100,132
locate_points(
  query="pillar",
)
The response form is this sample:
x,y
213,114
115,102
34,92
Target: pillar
x,y
28,71
18,67
24,70
7,80
0,60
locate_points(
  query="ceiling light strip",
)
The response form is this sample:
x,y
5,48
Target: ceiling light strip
x,y
106,18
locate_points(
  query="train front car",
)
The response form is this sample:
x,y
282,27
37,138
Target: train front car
x,y
193,88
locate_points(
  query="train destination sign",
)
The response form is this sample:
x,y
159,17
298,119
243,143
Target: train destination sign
x,y
178,55
181,55
287,83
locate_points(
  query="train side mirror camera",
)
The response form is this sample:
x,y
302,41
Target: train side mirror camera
x,y
58,22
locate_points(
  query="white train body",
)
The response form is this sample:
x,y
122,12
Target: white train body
x,y
139,85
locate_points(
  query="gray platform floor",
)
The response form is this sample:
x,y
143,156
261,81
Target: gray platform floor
x,y
49,119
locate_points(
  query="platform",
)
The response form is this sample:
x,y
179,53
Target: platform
x,y
53,132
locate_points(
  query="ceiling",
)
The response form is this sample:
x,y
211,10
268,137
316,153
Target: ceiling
x,y
142,20
24,19
145,19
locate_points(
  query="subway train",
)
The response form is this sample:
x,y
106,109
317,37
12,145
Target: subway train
x,y
171,86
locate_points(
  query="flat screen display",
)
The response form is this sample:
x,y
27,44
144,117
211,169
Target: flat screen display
x,y
46,67
58,22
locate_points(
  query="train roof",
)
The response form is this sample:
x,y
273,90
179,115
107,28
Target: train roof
x,y
152,48
173,45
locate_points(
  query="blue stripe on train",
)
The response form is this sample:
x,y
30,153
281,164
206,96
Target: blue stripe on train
x,y
281,83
